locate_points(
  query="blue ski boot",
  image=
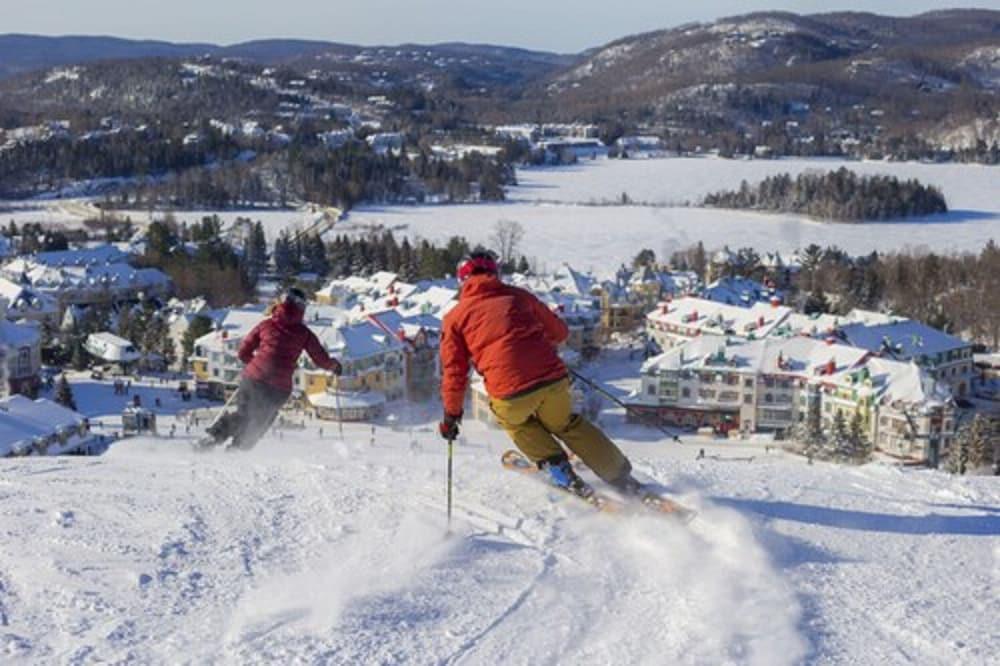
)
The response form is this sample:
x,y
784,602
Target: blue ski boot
x,y
563,475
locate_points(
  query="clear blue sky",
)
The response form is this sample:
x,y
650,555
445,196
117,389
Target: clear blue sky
x,y
555,25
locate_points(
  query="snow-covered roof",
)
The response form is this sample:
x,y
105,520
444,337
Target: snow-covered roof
x,y
738,291
671,282
347,400
432,300
908,339
410,325
326,315
697,314
21,334
110,347
357,341
382,279
871,318
799,356
23,420
234,325
814,325
104,254
20,298
52,277
906,383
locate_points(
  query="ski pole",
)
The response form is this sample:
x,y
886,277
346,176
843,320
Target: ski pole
x,y
643,415
340,414
451,447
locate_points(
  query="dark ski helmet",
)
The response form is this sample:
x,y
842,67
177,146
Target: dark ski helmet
x,y
477,263
296,297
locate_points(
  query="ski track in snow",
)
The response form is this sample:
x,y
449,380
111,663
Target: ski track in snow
x,y
309,552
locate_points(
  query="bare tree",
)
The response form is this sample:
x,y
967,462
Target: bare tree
x,y
506,239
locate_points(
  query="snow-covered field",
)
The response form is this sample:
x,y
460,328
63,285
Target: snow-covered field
x,y
311,549
553,206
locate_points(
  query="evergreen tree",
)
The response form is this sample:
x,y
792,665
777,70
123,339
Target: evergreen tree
x,y
168,351
315,255
284,259
974,448
79,359
646,257
980,446
255,253
840,443
64,394
958,457
199,326
860,446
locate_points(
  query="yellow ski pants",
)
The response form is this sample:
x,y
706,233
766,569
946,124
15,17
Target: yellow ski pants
x,y
532,419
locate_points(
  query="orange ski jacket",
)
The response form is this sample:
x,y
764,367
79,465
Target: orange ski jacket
x,y
508,335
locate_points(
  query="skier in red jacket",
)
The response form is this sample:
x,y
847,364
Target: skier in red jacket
x,y
270,352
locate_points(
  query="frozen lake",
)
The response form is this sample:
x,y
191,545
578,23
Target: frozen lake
x,y
554,205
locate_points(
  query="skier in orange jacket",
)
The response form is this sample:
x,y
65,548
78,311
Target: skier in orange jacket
x,y
511,338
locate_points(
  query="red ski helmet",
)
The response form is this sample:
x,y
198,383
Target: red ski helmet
x,y
476,263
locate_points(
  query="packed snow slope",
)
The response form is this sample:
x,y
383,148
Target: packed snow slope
x,y
314,550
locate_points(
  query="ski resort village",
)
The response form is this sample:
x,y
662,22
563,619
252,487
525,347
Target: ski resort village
x,y
708,352
681,349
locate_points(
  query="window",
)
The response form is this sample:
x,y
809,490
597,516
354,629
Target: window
x,y
748,399
686,392
768,398
651,390
748,383
23,360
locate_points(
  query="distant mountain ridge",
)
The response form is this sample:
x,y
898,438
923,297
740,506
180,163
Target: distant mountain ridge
x,y
776,81
20,53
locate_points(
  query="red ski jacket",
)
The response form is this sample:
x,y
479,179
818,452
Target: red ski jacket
x,y
272,349
508,334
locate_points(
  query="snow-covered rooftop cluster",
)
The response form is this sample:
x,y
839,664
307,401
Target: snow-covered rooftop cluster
x,y
39,426
692,316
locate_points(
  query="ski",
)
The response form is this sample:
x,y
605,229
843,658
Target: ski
x,y
647,498
207,442
516,462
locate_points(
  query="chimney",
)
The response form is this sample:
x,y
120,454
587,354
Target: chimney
x,y
760,321
831,366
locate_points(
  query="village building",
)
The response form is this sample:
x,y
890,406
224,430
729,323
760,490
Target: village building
x,y
946,358
20,357
421,338
93,276
23,302
569,149
112,349
42,427
640,146
773,385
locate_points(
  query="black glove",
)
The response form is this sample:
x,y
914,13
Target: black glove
x,y
449,426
